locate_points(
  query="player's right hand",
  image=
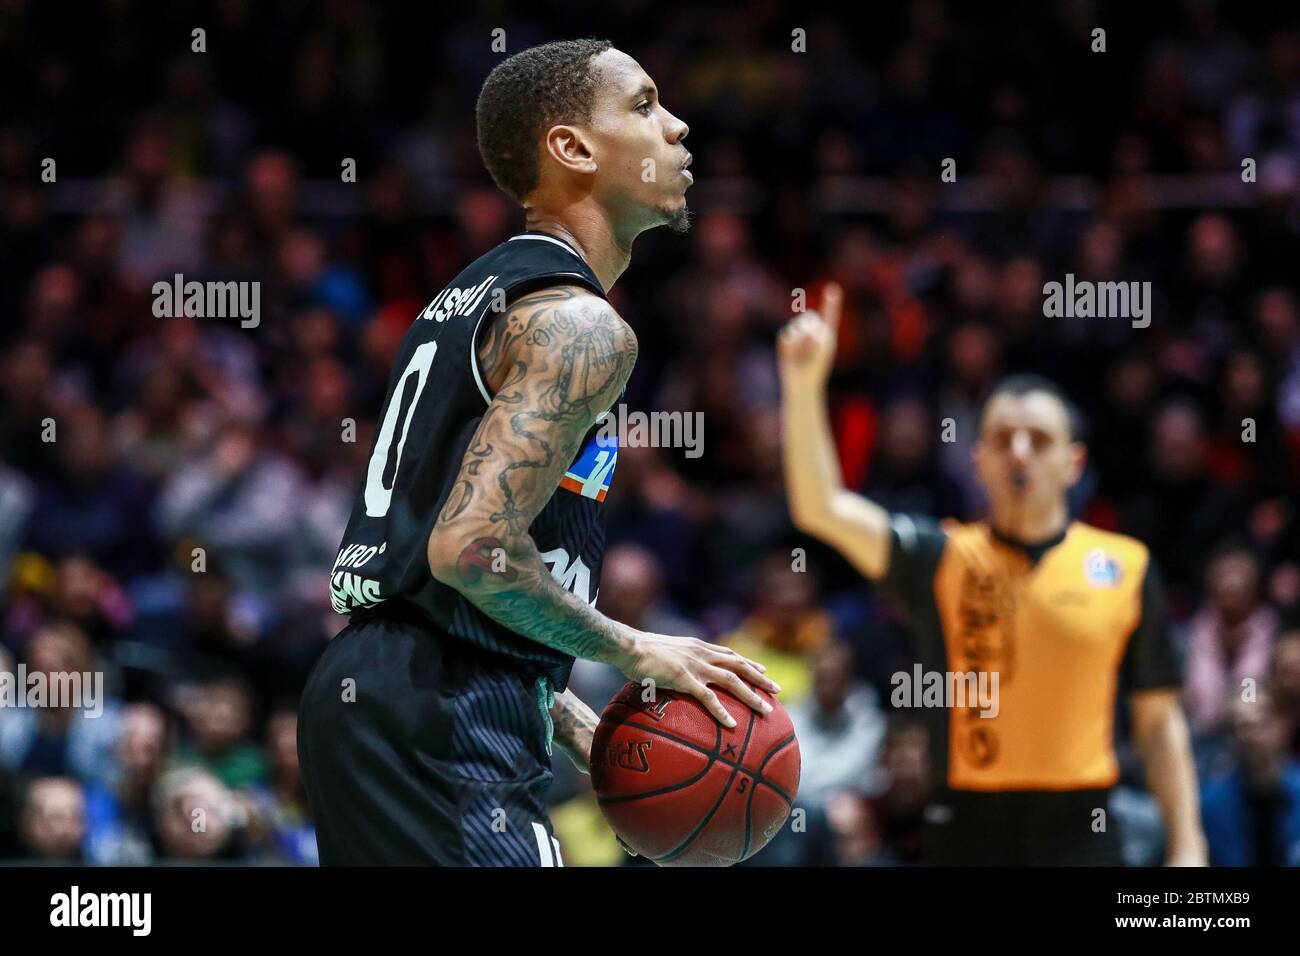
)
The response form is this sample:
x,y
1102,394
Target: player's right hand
x,y
689,665
805,348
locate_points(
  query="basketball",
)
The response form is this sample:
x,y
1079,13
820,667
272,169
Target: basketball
x,y
682,790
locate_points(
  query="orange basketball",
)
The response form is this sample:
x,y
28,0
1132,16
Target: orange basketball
x,y
682,790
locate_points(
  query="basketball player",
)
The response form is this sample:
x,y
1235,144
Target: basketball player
x,y
471,562
1064,614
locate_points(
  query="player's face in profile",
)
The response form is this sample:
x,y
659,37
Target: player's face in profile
x,y
642,161
1024,455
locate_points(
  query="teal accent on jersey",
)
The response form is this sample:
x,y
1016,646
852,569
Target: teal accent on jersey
x,y
546,700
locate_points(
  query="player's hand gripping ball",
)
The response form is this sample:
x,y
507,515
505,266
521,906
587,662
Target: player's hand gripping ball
x,y
682,790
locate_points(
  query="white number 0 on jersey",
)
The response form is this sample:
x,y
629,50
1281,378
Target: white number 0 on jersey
x,y
379,497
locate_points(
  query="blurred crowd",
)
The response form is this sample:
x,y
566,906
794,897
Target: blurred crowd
x,y
173,491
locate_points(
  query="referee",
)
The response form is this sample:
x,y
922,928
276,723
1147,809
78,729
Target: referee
x,y
1057,616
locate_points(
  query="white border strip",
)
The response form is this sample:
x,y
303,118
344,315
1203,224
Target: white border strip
x,y
563,245
473,357
543,844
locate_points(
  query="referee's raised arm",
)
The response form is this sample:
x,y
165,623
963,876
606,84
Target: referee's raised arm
x,y
820,505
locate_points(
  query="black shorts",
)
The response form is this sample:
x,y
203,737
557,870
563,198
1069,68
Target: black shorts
x,y
1023,828
419,749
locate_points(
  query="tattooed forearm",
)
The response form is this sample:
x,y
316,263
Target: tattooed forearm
x,y
575,725
537,606
557,360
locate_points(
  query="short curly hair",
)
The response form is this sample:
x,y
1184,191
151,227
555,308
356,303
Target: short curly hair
x,y
523,97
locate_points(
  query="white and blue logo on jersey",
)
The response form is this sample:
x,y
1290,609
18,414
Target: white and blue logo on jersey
x,y
1101,570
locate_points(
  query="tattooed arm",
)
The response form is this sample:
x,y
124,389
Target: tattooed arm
x,y
575,727
575,724
556,359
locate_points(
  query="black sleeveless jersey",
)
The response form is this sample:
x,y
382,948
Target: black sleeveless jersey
x,y
436,398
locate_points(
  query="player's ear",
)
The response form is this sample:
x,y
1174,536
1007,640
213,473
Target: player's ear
x,y
571,149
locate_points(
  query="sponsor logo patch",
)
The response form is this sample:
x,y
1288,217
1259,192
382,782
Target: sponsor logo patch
x,y
593,469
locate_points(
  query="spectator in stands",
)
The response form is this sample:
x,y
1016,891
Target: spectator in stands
x,y
899,809
840,728
218,712
53,823
119,818
63,736
281,820
1230,638
1284,679
1251,811
196,818
785,627
232,500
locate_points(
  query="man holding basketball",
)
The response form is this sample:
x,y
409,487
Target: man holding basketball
x,y
1064,614
471,562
